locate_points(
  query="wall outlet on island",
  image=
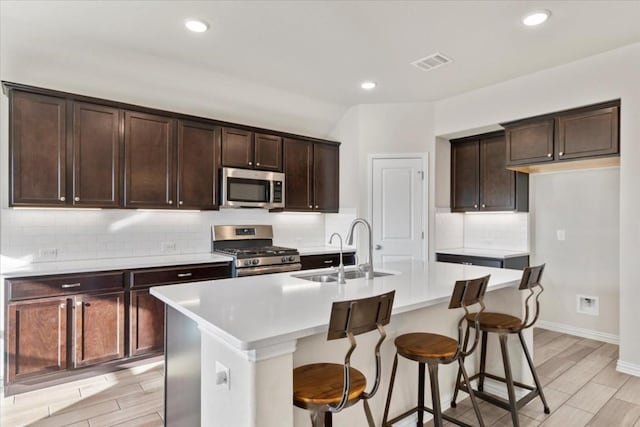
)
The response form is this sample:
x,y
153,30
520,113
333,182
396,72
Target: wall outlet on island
x,y
561,235
168,247
47,254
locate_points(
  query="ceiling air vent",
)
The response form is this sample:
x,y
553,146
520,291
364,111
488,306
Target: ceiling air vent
x,y
432,62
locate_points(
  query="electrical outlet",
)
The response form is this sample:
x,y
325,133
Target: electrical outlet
x,y
222,376
586,304
168,246
47,254
561,235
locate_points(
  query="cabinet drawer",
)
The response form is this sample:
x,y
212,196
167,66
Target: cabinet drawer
x,y
38,287
328,260
470,260
189,273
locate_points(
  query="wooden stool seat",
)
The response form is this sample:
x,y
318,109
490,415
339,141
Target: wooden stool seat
x,y
497,321
322,384
421,346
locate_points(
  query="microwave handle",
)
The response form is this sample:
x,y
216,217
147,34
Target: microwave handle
x,y
271,191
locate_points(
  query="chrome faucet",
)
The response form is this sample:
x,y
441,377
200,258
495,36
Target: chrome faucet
x,y
368,266
341,279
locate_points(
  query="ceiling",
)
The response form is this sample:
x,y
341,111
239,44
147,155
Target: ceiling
x,y
324,49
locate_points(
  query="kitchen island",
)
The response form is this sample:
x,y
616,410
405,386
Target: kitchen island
x,y
261,327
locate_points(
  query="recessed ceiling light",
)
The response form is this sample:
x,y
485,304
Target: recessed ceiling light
x,y
536,17
196,25
368,85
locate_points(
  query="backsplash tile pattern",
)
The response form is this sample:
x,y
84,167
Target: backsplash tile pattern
x,y
27,235
497,231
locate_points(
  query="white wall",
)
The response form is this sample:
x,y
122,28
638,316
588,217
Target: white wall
x,y
585,204
383,129
602,77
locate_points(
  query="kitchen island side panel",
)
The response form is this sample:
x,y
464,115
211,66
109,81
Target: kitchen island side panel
x,y
182,370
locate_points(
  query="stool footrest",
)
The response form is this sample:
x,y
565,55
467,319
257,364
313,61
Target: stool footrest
x,y
497,400
502,380
425,409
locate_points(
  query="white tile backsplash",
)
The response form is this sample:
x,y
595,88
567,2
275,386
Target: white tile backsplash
x,y
497,231
449,230
95,234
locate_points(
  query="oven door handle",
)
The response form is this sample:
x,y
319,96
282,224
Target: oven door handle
x,y
253,271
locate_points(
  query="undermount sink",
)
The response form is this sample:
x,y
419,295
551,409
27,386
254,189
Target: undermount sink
x,y
333,277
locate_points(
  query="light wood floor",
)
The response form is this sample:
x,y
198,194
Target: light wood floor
x,y
578,375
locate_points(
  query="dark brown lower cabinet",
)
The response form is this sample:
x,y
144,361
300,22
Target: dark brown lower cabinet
x,y
515,263
146,333
326,260
37,337
99,328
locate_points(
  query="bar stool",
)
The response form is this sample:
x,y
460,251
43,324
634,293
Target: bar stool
x,y
435,349
505,325
327,388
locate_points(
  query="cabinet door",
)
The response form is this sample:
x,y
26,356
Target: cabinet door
x,y
197,165
497,184
37,337
590,133
326,170
99,328
37,150
298,170
96,155
465,176
530,142
149,161
268,152
237,148
146,320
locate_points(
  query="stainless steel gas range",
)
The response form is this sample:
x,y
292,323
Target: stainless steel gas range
x,y
252,248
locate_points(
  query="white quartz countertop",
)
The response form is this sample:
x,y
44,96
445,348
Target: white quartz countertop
x,y
488,253
321,250
250,313
80,266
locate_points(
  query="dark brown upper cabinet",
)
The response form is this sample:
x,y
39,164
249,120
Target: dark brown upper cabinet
x,y
588,134
149,179
38,149
198,158
96,156
480,180
312,176
244,149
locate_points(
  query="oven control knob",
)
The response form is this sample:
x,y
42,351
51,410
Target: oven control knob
x,y
247,262
255,261
284,259
292,258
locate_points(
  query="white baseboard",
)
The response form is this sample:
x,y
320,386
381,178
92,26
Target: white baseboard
x,y
628,368
500,389
579,332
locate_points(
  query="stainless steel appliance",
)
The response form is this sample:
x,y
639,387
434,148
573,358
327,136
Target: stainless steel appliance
x,y
243,188
253,250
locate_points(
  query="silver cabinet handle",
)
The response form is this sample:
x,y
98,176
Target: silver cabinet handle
x,y
257,163
62,199
561,153
475,206
329,261
484,206
250,163
63,305
77,199
180,202
170,202
548,154
310,207
378,247
317,207
78,303
185,274
71,285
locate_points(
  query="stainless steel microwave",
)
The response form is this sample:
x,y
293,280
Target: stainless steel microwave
x,y
244,188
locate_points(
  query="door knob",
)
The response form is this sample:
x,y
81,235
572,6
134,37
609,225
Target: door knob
x,y
378,247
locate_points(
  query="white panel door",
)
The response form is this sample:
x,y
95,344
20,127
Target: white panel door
x,y
397,209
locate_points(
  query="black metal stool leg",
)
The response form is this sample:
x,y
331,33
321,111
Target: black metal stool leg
x,y
472,396
483,361
458,377
328,419
435,395
421,393
367,412
534,373
385,417
509,380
